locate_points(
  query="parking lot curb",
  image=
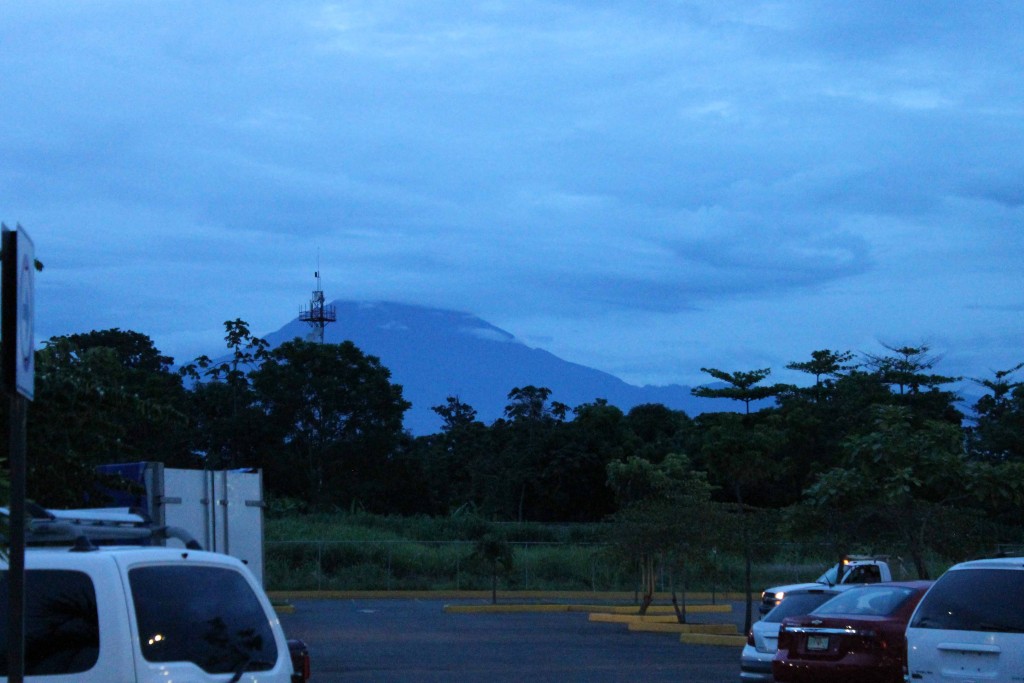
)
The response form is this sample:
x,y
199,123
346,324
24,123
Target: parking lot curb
x,y
623,612
712,639
613,618
707,629
506,608
283,608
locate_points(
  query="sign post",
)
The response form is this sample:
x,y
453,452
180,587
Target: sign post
x,y
17,338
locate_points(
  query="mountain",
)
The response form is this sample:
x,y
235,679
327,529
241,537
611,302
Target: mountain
x,y
435,353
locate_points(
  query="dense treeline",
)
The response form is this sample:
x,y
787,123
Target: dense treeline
x,y
872,446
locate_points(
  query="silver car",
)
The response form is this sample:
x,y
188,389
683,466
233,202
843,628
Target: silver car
x,y
763,639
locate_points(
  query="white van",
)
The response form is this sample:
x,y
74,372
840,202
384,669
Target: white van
x,y
140,614
970,625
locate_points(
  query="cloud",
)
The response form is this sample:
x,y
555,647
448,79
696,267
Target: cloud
x,y
554,167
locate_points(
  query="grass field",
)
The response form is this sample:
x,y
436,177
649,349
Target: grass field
x,y
371,552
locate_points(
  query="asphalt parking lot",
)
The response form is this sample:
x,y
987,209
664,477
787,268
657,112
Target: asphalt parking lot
x,y
416,640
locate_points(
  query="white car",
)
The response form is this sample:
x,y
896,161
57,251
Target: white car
x,y
763,640
854,569
970,625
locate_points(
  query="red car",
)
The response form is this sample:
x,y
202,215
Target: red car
x,y
856,636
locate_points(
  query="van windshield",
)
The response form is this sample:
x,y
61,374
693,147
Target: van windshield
x,y
974,600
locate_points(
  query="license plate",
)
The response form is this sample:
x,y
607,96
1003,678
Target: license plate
x,y
817,643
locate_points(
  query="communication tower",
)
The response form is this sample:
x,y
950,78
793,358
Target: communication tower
x,y
318,314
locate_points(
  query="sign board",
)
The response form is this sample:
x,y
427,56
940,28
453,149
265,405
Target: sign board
x,y
18,325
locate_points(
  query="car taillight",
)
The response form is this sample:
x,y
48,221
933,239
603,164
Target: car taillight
x,y
784,637
750,638
867,640
300,660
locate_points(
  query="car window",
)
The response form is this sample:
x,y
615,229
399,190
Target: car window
x,y
797,604
866,573
829,576
62,634
974,600
205,615
876,601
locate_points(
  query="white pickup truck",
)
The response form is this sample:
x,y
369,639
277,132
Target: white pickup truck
x,y
853,570
142,614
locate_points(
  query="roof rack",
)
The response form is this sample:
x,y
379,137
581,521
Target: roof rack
x,y
103,526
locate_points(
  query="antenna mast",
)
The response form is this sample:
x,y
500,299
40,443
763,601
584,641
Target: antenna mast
x,y
318,315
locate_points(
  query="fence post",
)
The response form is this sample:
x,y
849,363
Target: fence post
x,y
319,564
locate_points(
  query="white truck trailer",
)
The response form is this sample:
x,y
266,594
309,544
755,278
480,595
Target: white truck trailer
x,y
221,509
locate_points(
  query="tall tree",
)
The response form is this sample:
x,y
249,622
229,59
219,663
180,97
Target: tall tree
x,y
741,386
907,370
530,403
736,447
229,426
572,485
654,430
664,519
452,459
742,453
525,440
826,366
902,472
134,350
337,418
102,397
998,431
455,414
815,417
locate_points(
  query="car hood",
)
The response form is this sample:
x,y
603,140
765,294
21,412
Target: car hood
x,y
795,586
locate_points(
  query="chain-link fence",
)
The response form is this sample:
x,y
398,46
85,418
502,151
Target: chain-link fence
x,y
442,565
594,567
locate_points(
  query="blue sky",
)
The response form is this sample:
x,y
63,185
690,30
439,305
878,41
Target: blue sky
x,y
644,188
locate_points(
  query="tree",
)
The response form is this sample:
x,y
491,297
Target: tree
x,y
336,418
742,452
495,552
455,414
102,397
998,489
902,473
815,419
228,425
652,431
134,350
665,515
571,484
826,366
524,443
905,368
907,371
247,353
531,403
742,386
451,460
998,432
